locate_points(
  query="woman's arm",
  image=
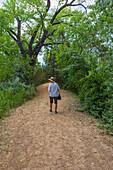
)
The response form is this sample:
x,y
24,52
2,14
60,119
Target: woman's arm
x,y
49,88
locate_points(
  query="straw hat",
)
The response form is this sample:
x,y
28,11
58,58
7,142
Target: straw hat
x,y
52,79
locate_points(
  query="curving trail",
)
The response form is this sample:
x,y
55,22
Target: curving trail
x,y
33,138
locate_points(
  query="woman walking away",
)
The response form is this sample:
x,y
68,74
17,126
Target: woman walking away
x,y
53,90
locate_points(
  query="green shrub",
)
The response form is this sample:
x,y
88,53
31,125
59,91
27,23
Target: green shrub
x,y
96,94
11,98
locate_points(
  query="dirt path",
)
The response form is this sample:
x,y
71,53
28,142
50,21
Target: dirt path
x,y
33,138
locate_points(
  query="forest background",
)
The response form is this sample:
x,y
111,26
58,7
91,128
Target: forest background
x,y
77,47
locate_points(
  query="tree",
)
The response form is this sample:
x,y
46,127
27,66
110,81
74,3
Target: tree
x,y
32,24
87,64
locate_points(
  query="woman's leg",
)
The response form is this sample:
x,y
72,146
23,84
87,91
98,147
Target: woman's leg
x,y
55,101
51,101
50,107
55,108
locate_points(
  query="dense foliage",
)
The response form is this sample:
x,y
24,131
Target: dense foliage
x,y
86,64
15,76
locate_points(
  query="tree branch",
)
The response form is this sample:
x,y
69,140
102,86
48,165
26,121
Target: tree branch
x,y
34,36
47,9
40,32
80,5
28,25
13,33
58,5
47,44
66,1
32,40
56,13
64,6
12,36
23,52
67,15
25,42
41,42
19,28
62,21
56,23
72,2
48,6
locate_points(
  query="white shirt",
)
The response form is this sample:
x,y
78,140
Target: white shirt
x,y
53,89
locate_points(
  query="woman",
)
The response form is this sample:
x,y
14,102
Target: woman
x,y
53,90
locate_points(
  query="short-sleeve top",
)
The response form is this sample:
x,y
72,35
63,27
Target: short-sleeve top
x,y
53,89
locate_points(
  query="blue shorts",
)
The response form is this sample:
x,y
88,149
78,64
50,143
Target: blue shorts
x,y
55,100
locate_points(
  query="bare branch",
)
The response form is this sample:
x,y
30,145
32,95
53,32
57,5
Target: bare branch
x,y
53,43
50,39
58,5
72,2
28,25
19,28
18,40
56,23
79,5
42,20
34,36
40,33
25,42
56,13
13,33
48,6
12,36
64,6
41,42
68,15
63,21
66,1
47,9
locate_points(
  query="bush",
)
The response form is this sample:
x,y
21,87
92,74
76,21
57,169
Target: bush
x,y
13,97
96,94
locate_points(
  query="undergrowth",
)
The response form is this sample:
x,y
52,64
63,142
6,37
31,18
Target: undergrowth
x,y
14,95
